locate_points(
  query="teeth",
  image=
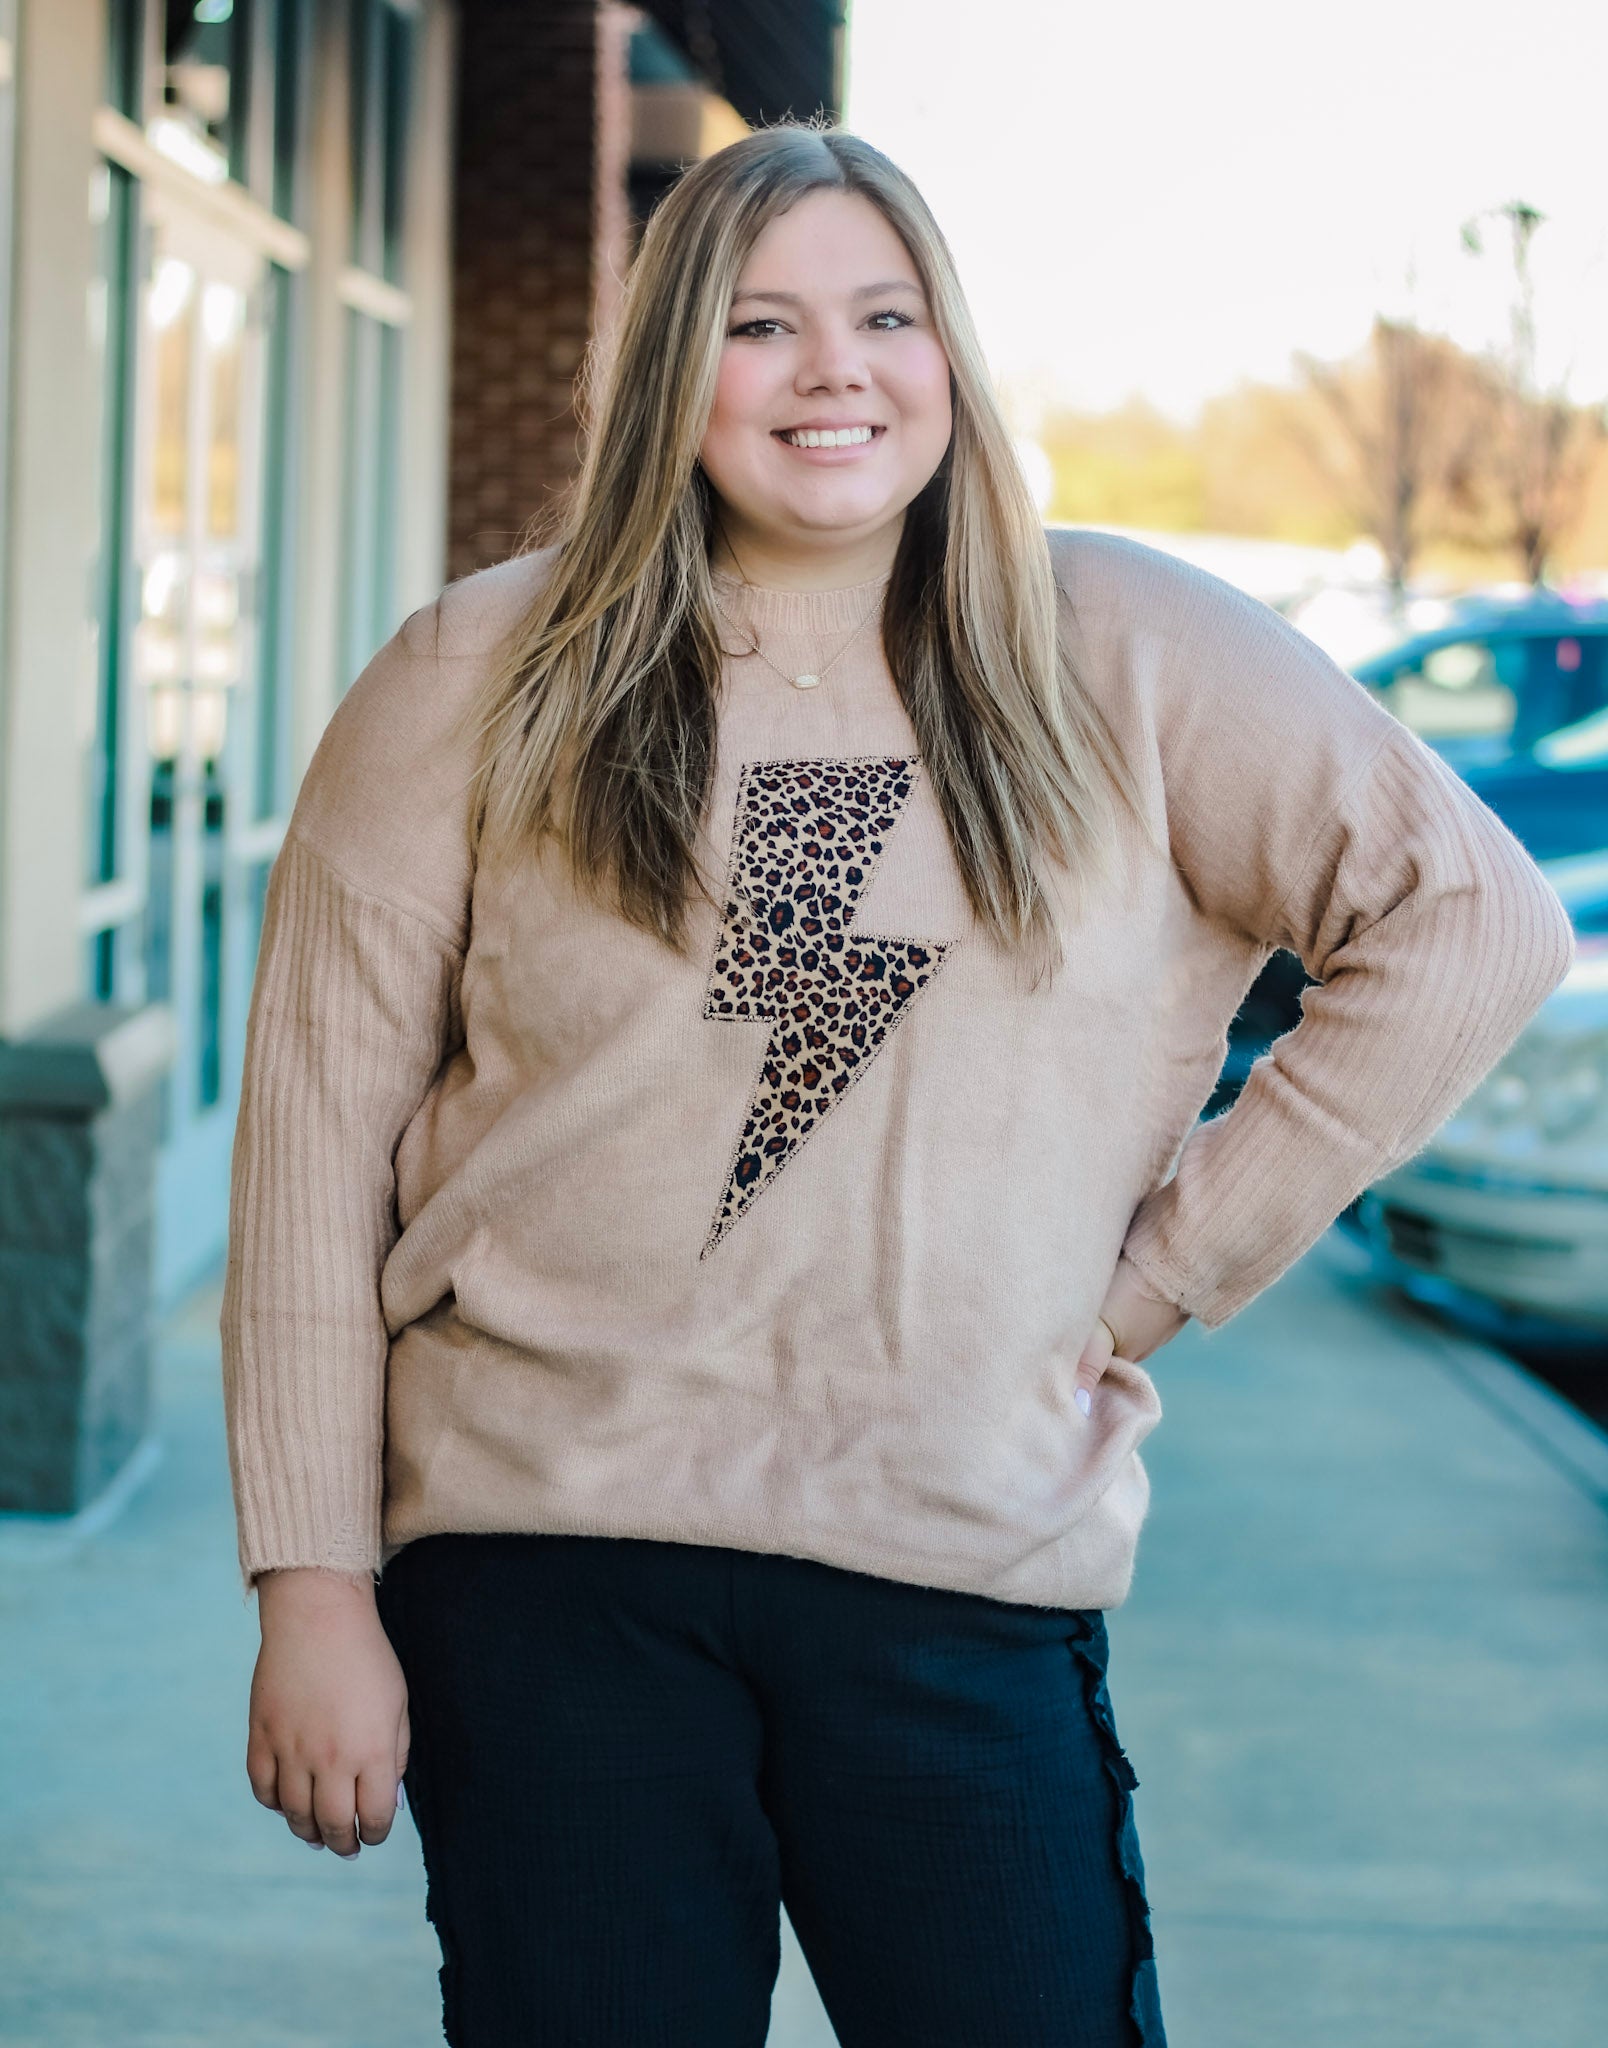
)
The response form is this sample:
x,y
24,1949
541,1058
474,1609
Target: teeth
x,y
840,437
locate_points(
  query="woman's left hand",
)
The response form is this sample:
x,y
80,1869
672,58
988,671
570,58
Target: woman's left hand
x,y
1142,1320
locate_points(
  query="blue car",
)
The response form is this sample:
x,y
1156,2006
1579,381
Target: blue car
x,y
1514,696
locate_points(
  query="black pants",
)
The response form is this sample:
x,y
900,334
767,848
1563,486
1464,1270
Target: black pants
x,y
626,1754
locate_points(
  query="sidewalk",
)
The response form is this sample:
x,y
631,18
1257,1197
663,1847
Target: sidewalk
x,y
1361,1677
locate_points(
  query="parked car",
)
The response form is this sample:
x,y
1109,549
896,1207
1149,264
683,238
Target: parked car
x,y
1555,798
1496,677
1506,1208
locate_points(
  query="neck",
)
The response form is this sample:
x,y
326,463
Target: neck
x,y
773,564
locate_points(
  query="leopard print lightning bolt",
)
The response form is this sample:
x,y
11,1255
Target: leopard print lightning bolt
x,y
806,840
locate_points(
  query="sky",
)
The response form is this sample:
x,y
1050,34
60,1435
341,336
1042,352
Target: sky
x,y
1165,198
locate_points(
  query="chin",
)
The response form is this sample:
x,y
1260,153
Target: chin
x,y
826,518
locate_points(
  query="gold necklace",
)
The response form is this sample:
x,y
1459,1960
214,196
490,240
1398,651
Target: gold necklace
x,y
811,677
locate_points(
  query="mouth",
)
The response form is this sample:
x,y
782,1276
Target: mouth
x,y
861,435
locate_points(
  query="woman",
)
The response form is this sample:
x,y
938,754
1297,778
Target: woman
x,y
718,1143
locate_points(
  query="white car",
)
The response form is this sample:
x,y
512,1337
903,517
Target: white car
x,y
1508,1202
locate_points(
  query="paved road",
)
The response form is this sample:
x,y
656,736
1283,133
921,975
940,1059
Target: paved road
x,y
1361,1676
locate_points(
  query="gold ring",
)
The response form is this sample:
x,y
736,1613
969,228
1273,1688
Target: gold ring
x,y
1116,1341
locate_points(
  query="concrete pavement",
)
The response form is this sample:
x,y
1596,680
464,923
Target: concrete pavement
x,y
1361,1675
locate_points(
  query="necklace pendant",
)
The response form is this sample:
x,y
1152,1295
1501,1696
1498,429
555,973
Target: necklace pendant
x,y
805,682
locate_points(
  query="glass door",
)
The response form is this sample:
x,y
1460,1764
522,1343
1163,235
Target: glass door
x,y
196,545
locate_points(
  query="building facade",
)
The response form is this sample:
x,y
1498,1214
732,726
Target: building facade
x,y
295,296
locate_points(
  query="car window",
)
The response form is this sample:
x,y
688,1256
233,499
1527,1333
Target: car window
x,y
1581,745
1563,683
1453,692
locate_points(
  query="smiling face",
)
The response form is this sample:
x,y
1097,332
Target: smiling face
x,y
832,407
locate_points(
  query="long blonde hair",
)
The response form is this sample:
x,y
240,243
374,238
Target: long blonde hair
x,y
598,722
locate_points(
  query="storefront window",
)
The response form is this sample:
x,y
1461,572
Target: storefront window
x,y
289,88
381,74
206,58
373,370
271,767
199,309
382,54
125,53
114,206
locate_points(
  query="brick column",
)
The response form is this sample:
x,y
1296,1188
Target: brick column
x,y
543,136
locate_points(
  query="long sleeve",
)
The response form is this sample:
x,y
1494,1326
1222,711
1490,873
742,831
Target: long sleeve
x,y
351,1013
1306,816
354,1007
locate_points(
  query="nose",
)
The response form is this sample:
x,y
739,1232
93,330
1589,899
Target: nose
x,y
833,360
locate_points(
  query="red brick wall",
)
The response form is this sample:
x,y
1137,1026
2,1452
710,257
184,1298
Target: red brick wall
x,y
539,218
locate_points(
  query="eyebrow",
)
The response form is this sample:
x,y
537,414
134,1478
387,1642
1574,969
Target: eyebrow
x,y
866,291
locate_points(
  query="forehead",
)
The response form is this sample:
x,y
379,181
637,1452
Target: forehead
x,y
827,244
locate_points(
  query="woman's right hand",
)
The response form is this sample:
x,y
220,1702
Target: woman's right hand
x,y
328,1734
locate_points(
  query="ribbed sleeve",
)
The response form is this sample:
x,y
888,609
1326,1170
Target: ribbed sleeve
x,y
353,1009
1435,938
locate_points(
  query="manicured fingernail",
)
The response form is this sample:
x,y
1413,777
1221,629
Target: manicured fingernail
x,y
401,1795
1082,1399
315,1845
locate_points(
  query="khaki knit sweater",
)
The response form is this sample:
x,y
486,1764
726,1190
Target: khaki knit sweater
x,y
792,1245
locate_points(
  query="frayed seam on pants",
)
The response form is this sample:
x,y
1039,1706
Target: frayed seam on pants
x,y
1092,1650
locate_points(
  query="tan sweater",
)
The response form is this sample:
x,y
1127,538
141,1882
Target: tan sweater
x,y
793,1245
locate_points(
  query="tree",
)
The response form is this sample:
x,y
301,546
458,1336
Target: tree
x,y
1541,447
1401,434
